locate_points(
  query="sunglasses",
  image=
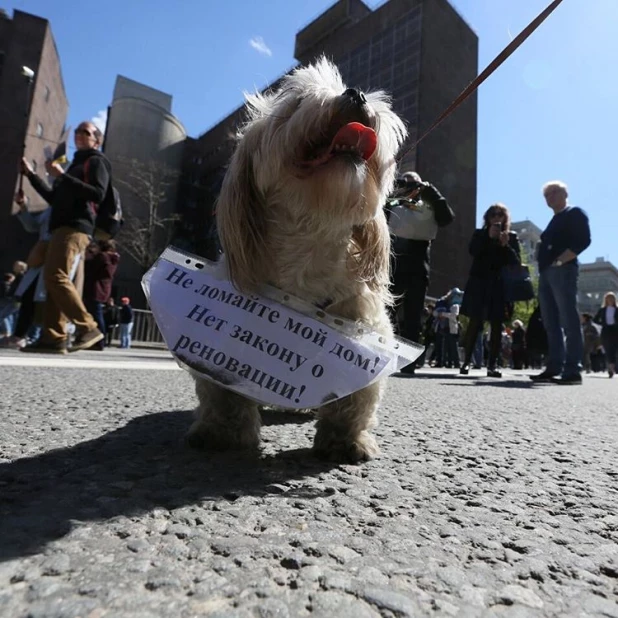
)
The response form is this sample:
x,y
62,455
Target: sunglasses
x,y
85,132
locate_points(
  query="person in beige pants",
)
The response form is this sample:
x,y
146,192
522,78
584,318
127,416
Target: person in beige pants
x,y
74,198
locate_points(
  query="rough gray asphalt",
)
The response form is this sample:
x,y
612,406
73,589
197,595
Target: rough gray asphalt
x,y
491,498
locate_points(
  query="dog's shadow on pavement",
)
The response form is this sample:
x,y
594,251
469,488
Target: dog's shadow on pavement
x,y
129,471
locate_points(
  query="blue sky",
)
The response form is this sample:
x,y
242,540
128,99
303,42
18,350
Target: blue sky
x,y
548,113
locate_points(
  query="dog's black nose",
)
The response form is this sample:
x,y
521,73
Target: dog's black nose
x,y
357,96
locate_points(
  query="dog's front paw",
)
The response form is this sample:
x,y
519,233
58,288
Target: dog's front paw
x,y
333,447
207,437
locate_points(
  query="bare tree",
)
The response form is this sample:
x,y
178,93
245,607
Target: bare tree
x,y
148,190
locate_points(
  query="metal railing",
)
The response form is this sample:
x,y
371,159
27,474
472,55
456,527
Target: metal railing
x,y
145,329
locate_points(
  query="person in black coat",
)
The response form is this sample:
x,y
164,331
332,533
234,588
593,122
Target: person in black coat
x,y
607,318
493,247
110,317
518,345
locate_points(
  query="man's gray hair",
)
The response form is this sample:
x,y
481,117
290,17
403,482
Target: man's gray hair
x,y
553,185
411,176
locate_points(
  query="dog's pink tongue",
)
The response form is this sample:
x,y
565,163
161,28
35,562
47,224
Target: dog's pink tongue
x,y
358,136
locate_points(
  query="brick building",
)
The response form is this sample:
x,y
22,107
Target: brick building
x,y
424,54
26,40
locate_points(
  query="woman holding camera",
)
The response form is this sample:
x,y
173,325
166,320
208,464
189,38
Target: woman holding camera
x,y
492,247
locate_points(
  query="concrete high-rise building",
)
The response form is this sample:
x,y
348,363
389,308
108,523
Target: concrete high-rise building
x,y
33,113
144,142
424,54
529,236
595,279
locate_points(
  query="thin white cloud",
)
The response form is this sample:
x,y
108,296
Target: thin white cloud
x,y
257,42
100,120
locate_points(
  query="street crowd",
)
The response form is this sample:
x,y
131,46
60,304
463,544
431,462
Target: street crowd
x,y
474,327
60,298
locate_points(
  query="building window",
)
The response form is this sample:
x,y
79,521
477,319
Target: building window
x,y
39,129
47,93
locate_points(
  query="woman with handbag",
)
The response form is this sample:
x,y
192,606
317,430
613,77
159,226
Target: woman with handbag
x,y
493,247
607,318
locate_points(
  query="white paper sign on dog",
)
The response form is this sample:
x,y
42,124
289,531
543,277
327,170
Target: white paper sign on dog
x,y
275,353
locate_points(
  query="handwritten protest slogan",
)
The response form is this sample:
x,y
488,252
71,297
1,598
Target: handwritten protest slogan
x,y
254,345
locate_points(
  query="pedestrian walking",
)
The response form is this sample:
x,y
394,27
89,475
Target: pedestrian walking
x,y
125,318
591,333
74,198
100,267
110,316
518,345
606,317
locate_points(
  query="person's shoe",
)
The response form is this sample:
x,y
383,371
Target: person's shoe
x,y
544,376
494,373
41,347
86,340
574,378
13,343
464,370
409,370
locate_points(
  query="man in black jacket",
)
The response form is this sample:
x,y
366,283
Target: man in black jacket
x,y
74,198
414,217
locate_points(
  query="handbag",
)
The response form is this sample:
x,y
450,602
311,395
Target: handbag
x,y
517,283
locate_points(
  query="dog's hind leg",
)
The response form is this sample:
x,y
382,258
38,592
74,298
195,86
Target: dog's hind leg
x,y
343,426
224,420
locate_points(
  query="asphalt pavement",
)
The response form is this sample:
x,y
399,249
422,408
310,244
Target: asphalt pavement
x,y
491,498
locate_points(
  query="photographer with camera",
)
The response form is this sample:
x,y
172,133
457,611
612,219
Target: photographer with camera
x,y
414,214
492,248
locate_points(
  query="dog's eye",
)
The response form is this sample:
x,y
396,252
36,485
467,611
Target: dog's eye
x,y
287,106
294,103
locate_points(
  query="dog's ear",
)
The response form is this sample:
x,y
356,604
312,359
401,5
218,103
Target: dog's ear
x,y
371,254
241,220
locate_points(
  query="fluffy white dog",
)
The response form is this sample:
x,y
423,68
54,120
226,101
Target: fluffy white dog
x,y
301,209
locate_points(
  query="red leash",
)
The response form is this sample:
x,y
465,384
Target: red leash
x,y
479,79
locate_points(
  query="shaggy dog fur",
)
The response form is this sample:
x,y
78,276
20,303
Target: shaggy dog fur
x,y
301,209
